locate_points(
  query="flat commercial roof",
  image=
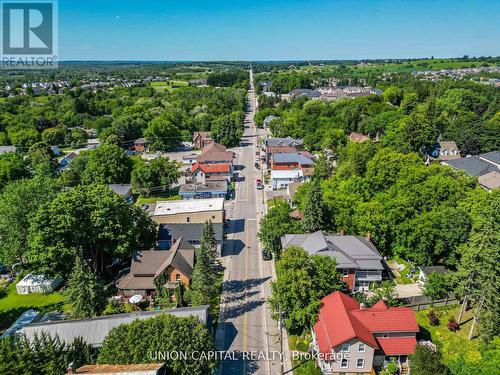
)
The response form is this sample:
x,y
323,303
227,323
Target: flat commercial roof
x,y
190,206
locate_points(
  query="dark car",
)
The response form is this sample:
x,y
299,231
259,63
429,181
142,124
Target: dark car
x,y
267,255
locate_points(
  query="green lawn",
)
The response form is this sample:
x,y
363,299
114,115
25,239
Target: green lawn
x,y
403,278
162,86
453,345
171,195
13,304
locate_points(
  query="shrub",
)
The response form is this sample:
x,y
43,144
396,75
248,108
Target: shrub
x,y
433,318
453,324
4,284
392,368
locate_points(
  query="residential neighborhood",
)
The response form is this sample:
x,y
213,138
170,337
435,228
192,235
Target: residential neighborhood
x,y
249,189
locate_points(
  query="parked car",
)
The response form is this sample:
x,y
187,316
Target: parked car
x,y
266,255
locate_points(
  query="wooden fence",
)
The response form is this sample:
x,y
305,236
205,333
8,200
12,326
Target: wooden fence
x,y
422,305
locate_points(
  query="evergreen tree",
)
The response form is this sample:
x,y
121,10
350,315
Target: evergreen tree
x,y
314,212
425,361
205,281
208,237
85,292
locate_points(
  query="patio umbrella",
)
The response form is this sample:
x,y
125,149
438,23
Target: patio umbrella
x,y
135,298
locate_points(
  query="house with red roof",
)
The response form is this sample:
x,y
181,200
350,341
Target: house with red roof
x,y
349,338
211,172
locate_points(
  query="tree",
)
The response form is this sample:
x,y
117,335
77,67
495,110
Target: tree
x,y
276,224
12,167
208,238
426,361
479,263
18,202
41,154
227,130
205,280
384,291
89,221
55,136
157,174
85,292
43,355
141,340
436,286
323,169
315,210
302,282
107,164
162,134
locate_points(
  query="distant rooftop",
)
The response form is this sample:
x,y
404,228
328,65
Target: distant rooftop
x,y
190,206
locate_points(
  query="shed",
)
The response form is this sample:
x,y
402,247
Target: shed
x,y
32,283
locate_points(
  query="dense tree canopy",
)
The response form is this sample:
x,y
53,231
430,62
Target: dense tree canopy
x,y
138,341
303,280
89,221
19,203
154,175
107,164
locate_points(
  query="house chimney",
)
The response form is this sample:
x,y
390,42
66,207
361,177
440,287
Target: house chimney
x,y
362,306
71,368
369,236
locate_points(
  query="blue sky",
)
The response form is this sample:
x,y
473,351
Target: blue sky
x,y
276,29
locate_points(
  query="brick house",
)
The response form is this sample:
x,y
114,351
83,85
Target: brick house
x,y
201,139
353,339
358,261
215,153
166,267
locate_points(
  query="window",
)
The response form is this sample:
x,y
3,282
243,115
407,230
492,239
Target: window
x,y
361,347
188,219
178,277
345,272
213,216
360,363
386,335
344,363
345,348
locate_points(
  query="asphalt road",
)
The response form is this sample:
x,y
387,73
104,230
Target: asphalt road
x,y
245,326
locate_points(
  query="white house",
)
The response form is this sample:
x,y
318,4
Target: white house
x,y
37,284
283,178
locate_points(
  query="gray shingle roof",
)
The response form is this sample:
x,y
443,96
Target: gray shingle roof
x,y
288,141
492,157
350,251
292,157
188,231
94,330
4,149
473,165
121,189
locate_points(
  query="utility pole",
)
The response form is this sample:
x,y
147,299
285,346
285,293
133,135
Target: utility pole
x,y
474,320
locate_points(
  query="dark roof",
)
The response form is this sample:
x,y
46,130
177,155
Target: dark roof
x,y
349,251
292,157
121,189
140,141
154,262
188,231
207,187
476,165
492,157
288,141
